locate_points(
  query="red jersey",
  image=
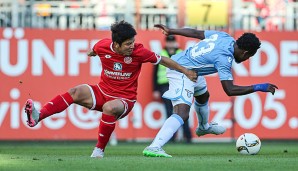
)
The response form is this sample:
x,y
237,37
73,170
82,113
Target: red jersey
x,y
119,76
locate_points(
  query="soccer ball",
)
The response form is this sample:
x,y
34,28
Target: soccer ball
x,y
248,143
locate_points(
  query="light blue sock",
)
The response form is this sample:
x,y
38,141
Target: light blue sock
x,y
203,112
171,125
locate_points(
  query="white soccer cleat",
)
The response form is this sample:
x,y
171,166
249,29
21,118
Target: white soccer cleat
x,y
97,153
32,113
155,152
214,128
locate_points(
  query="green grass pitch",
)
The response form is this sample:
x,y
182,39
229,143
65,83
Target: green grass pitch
x,y
56,156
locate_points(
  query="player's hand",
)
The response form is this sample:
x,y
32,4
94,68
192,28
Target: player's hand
x,y
91,53
271,88
265,87
192,75
165,29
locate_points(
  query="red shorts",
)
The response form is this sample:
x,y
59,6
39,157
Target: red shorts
x,y
100,98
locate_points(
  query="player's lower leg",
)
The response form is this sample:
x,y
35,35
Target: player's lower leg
x,y
106,127
204,127
202,111
56,105
171,125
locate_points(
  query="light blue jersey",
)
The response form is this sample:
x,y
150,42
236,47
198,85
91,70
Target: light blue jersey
x,y
212,54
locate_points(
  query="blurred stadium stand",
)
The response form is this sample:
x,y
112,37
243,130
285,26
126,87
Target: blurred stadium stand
x,y
143,14
84,14
276,15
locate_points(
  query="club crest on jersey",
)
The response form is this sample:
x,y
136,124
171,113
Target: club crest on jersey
x,y
108,56
128,60
117,66
189,93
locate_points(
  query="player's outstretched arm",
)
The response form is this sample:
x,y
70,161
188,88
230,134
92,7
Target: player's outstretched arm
x,y
187,32
235,90
168,62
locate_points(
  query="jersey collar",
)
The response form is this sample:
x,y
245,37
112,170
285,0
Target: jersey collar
x,y
111,47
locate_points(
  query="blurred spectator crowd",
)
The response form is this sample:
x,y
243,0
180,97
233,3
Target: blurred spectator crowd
x,y
270,15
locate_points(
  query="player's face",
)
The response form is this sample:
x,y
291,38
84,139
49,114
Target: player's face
x,y
241,55
241,59
127,47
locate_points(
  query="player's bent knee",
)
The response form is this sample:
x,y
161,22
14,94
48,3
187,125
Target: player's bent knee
x,y
79,93
73,93
184,116
109,109
203,98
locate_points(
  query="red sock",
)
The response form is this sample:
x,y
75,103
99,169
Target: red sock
x,y
106,127
56,105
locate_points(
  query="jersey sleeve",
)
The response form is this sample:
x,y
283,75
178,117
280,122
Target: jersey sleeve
x,y
208,33
100,45
224,68
148,56
96,47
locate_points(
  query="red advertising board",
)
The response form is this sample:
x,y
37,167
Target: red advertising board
x,y
41,64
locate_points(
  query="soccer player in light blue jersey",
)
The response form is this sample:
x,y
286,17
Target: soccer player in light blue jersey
x,y
215,53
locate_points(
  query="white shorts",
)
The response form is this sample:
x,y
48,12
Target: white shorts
x,y
182,89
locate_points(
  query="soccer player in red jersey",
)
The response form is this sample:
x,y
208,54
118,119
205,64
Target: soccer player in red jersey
x,y
116,92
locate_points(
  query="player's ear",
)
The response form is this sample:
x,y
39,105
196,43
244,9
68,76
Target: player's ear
x,y
246,54
116,45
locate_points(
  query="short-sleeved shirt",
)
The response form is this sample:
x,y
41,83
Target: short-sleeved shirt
x,y
212,54
120,73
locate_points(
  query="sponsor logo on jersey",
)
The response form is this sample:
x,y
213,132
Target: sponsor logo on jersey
x,y
128,60
117,66
108,56
117,75
189,93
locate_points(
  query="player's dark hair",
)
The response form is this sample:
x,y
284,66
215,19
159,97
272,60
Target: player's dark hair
x,y
122,31
249,42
